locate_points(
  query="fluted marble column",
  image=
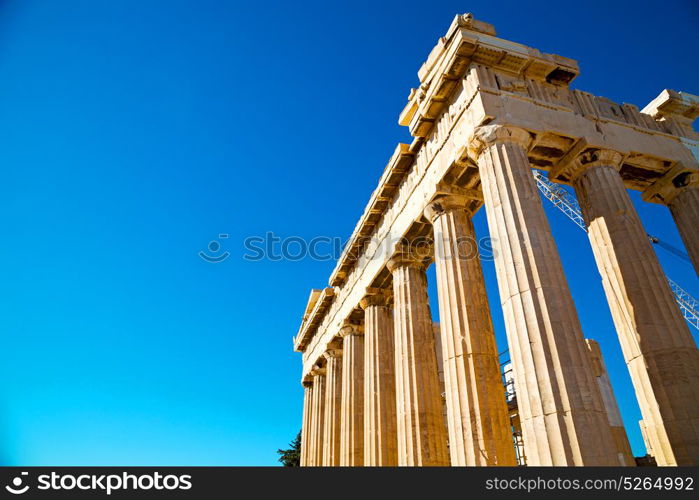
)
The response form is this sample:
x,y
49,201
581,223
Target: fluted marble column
x,y
333,405
380,432
621,440
315,451
422,437
306,423
679,191
352,410
684,208
561,410
657,345
478,422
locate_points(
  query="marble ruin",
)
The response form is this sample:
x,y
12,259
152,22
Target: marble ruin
x,y
378,392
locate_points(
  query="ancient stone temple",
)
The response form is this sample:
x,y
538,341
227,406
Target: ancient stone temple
x,y
380,387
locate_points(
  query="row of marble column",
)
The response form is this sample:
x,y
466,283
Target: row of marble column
x,y
376,400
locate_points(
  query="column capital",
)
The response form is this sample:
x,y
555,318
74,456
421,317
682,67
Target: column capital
x,y
676,180
307,381
486,135
351,329
332,353
376,297
445,204
570,171
404,260
317,370
410,255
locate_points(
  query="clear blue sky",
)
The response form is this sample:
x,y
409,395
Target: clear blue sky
x,y
132,133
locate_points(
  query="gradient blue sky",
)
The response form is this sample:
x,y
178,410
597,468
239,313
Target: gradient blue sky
x,y
132,133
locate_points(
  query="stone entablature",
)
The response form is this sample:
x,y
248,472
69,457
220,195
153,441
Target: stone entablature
x,y
469,42
318,305
381,198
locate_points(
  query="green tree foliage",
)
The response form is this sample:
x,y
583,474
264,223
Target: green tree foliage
x,y
292,456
